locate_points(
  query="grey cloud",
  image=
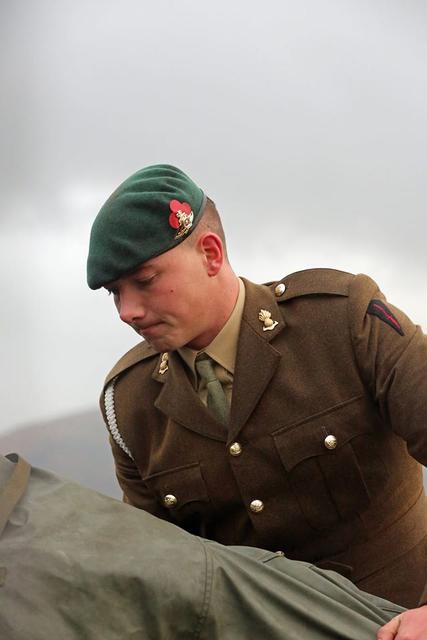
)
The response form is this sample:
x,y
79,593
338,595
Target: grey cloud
x,y
306,122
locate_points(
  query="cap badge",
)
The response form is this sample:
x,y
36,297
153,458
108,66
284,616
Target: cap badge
x,y
265,317
181,217
163,364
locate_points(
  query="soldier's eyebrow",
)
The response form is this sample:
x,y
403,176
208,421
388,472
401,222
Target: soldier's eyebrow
x,y
145,271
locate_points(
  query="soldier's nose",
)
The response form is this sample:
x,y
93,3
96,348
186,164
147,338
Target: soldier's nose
x,y
130,312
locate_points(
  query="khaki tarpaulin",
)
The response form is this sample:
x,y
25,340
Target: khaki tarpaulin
x,y
77,565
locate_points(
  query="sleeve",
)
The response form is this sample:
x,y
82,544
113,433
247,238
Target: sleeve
x,y
391,353
135,491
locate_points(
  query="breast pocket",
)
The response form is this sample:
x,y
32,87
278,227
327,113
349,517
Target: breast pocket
x,y
183,491
319,455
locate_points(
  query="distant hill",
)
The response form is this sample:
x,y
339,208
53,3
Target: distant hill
x,y
75,447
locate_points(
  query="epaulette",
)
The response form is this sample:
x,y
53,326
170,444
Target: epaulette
x,y
312,282
139,352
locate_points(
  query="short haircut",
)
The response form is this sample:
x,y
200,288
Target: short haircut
x,y
210,221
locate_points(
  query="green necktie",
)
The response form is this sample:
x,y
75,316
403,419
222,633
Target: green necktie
x,y
217,400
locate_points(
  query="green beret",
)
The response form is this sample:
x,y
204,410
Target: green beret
x,y
151,212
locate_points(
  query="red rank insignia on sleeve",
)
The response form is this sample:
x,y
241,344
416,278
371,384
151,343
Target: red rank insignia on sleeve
x,y
379,309
181,217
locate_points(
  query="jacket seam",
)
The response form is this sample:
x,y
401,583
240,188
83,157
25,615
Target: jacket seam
x,y
393,368
207,593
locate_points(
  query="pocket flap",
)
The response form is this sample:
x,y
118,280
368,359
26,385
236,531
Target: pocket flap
x,y
178,486
308,438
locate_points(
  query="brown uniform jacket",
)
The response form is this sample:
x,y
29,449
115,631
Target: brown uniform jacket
x,y
328,368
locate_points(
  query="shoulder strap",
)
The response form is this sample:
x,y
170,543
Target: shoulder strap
x,y
141,351
14,489
312,282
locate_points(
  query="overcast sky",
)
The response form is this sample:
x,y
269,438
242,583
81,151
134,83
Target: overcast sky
x,y
305,121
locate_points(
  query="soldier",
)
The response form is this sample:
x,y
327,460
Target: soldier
x,y
278,415
76,564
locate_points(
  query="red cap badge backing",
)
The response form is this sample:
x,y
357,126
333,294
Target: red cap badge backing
x,y
181,217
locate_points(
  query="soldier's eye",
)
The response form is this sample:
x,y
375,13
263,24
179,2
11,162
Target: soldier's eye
x,y
145,282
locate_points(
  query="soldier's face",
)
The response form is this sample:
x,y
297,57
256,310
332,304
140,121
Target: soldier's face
x,y
166,300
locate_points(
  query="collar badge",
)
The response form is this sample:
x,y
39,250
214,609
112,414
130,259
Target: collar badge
x,y
164,363
265,317
181,217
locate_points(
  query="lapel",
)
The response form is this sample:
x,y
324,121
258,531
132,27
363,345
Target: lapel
x,y
256,362
180,402
256,359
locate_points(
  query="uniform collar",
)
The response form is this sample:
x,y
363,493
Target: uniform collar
x,y
256,362
223,348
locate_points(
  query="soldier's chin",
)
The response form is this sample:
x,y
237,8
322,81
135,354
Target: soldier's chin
x,y
159,343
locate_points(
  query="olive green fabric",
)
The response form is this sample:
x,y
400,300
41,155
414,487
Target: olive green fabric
x,y
75,564
141,220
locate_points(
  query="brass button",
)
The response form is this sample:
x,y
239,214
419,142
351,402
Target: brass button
x,y
256,506
235,449
280,290
330,442
170,501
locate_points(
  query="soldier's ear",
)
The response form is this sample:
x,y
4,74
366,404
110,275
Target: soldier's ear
x,y
213,252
